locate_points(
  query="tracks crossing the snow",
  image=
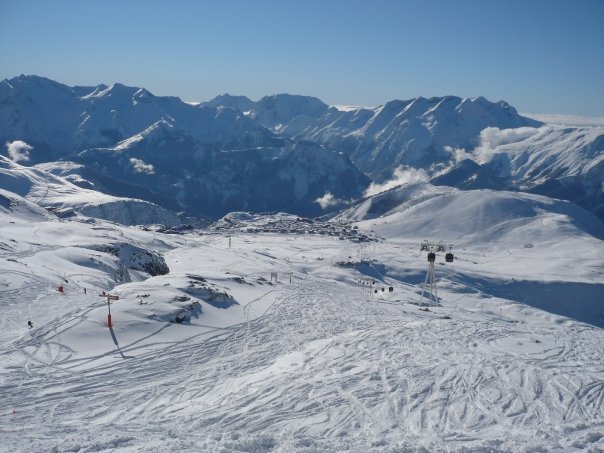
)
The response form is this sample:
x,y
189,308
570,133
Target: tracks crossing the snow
x,y
320,366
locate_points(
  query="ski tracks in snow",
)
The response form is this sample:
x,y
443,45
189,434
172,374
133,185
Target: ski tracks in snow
x,y
323,367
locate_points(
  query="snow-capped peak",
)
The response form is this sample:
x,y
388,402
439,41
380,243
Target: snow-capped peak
x,y
157,131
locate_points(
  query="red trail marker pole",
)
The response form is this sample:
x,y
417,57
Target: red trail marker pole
x,y
109,297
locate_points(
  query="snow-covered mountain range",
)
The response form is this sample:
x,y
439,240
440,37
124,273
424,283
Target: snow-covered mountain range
x,y
198,159
288,152
461,142
59,121
413,132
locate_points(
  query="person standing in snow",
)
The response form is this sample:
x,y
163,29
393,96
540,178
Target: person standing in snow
x,y
30,324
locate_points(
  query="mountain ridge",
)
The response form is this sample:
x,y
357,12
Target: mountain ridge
x,y
430,134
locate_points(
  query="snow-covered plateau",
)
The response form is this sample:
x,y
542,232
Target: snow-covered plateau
x,y
280,333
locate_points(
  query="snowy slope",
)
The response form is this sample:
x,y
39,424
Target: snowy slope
x,y
62,197
557,161
488,216
17,206
529,228
215,357
560,162
184,175
473,216
70,171
383,203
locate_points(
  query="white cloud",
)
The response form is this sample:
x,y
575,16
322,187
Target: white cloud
x,y
459,153
400,176
141,167
492,137
18,150
328,200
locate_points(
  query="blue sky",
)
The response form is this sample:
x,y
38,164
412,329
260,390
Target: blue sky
x,y
542,56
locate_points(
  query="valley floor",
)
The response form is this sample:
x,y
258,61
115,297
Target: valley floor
x,y
318,364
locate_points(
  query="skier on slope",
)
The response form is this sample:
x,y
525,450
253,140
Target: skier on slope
x,y
30,324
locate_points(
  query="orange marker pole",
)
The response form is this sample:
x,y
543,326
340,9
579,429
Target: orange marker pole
x,y
109,299
109,315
